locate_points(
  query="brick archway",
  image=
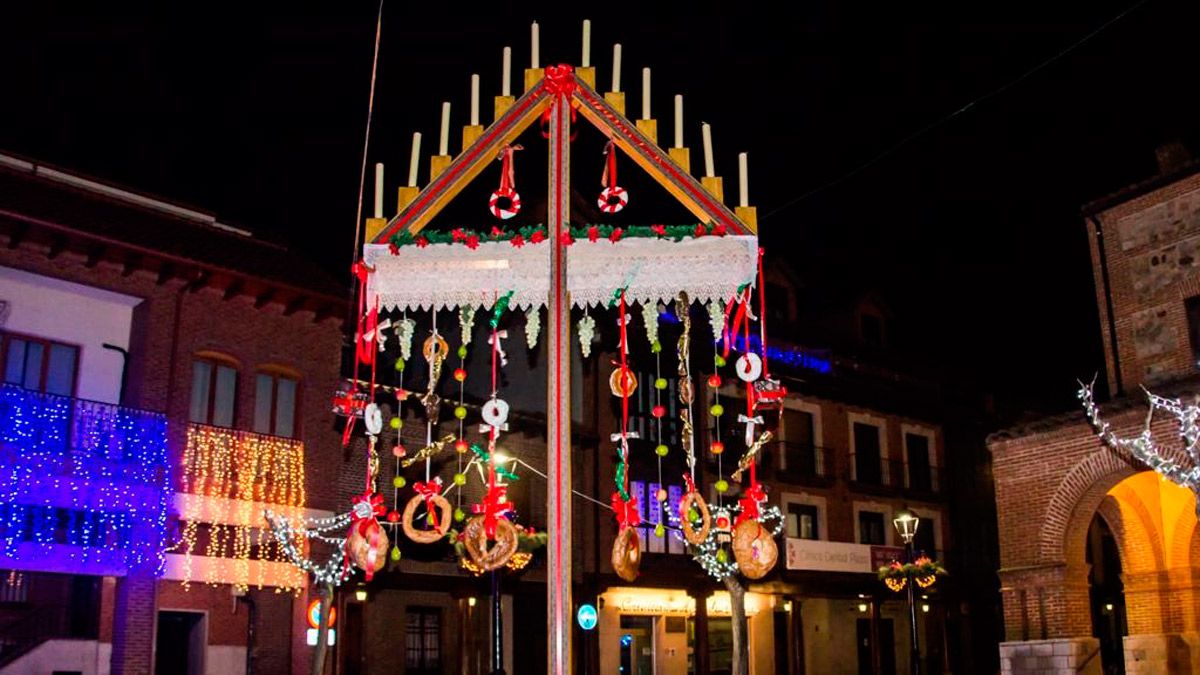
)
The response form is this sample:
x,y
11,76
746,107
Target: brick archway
x,y
1075,501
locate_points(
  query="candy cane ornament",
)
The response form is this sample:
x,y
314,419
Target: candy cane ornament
x,y
505,202
613,197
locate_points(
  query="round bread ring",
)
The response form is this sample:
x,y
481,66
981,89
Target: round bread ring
x,y
627,553
435,348
754,549
694,537
476,540
426,536
623,382
360,550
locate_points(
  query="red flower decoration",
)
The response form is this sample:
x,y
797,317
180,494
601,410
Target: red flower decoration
x,y
616,235
567,238
472,241
593,233
421,242
537,237
700,230
496,232
393,249
457,234
660,230
518,240
718,230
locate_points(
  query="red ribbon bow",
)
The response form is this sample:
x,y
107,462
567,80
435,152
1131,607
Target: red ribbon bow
x,y
691,485
492,507
375,503
626,511
560,80
429,490
754,496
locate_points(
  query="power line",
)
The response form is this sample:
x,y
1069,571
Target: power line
x,y
946,118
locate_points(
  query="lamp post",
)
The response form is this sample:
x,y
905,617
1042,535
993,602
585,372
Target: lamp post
x,y
906,523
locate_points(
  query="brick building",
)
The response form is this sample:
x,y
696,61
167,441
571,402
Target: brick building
x,y
1098,556
166,378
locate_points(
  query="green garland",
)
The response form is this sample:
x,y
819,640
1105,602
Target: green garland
x,y
922,567
536,234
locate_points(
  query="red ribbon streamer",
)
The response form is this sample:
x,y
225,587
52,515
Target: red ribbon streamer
x,y
429,490
609,177
508,173
627,512
762,314
754,495
492,507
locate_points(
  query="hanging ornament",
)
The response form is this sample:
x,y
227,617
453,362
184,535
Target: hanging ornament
x,y
505,202
587,332
754,549
749,367
373,419
716,318
495,414
494,555
650,318
533,326
686,390
405,328
769,394
622,382
367,543
437,513
693,503
613,197
466,322
627,553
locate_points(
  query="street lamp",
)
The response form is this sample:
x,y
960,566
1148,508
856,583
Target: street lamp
x,y
360,593
906,523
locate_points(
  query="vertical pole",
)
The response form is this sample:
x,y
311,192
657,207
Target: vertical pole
x,y
497,627
558,392
914,647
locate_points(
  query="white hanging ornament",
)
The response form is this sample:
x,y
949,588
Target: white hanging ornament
x,y
749,367
495,413
467,322
716,318
405,329
533,326
650,318
587,331
373,419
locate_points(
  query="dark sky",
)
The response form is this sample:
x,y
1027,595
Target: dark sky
x,y
972,229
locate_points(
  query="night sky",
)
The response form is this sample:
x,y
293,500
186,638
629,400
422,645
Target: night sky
x,y
971,228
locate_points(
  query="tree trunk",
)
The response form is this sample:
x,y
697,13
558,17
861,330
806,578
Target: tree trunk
x,y
741,642
318,666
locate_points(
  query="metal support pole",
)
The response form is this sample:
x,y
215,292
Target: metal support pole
x,y
497,627
558,391
914,648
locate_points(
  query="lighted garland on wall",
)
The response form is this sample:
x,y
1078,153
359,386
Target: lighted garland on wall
x,y
240,471
536,234
100,468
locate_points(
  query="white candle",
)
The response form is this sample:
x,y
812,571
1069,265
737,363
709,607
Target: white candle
x,y
414,162
743,181
378,190
444,141
533,49
506,77
679,120
645,93
587,44
616,83
706,132
474,100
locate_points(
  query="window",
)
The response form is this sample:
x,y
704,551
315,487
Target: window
x,y
926,539
40,365
214,390
423,641
870,528
275,404
1192,308
800,453
866,454
919,471
802,521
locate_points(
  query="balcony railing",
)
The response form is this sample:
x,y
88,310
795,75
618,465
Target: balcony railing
x,y
84,474
893,474
800,462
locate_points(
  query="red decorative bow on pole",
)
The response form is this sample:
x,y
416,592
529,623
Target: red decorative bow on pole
x,y
626,511
753,496
367,507
429,490
560,83
492,507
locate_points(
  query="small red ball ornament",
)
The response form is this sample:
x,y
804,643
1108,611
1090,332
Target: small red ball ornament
x,y
461,446
714,381
393,516
460,374
399,450
658,411
717,447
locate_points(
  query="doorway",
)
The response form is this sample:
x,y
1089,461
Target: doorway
x,y
637,645
1106,595
179,647
887,647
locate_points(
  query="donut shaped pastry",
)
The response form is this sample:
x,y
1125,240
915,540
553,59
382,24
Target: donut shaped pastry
x,y
426,536
627,553
491,557
694,536
754,549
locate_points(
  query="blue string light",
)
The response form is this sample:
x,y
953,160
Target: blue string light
x,y
795,357
84,481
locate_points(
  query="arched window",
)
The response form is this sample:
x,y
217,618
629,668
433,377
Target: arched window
x,y
276,401
214,389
